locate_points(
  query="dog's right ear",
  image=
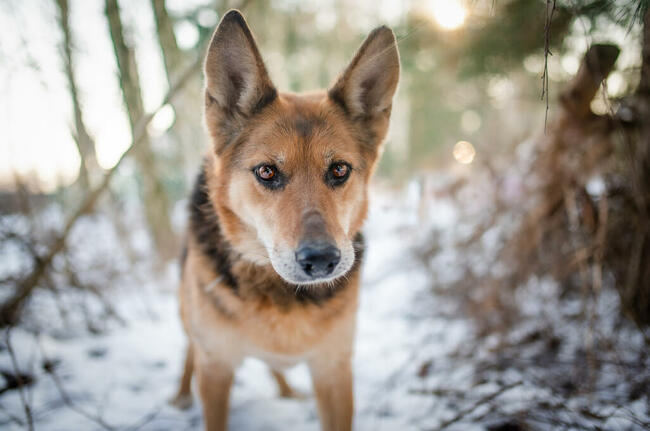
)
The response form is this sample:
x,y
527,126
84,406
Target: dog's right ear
x,y
366,87
237,83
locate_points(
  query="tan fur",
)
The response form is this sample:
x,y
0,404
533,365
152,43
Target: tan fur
x,y
264,316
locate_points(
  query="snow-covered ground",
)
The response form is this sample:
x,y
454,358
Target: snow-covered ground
x,y
123,378
418,364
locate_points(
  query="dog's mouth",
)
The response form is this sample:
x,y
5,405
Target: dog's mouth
x,y
312,263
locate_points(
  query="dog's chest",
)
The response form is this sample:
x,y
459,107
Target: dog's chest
x,y
257,326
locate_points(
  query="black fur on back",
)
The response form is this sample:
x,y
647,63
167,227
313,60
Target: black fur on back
x,y
204,225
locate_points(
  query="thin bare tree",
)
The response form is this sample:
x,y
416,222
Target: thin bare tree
x,y
11,306
156,202
635,286
172,55
187,129
85,143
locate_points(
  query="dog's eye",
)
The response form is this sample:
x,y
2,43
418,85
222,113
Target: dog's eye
x,y
339,170
265,172
269,176
337,174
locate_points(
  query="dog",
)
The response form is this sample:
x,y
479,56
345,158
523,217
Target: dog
x,y
273,251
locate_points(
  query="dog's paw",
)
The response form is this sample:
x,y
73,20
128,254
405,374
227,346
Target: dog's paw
x,y
182,402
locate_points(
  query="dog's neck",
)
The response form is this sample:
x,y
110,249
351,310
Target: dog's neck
x,y
247,279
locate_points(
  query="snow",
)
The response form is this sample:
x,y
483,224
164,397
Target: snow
x,y
126,375
418,362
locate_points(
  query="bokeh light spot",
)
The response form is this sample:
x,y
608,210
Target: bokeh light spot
x,y
464,152
449,14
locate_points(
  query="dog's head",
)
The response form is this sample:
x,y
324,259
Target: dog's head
x,y
290,172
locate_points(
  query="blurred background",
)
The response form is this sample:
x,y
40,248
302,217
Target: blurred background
x,y
507,285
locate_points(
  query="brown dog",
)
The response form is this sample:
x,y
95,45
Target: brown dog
x,y
271,268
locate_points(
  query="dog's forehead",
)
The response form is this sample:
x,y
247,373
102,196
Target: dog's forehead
x,y
303,115
301,128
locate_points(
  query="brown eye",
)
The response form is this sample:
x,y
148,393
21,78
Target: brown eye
x,y
337,174
270,176
339,170
266,172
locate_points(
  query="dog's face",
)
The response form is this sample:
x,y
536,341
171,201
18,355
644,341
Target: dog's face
x,y
290,172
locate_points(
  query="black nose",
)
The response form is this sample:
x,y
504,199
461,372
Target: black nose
x,y
318,259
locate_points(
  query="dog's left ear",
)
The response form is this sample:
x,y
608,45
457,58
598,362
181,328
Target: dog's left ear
x,y
366,87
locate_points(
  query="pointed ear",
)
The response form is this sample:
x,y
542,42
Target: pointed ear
x,y
236,78
367,86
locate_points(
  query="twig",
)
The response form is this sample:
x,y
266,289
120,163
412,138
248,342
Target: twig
x,y
96,418
9,309
23,399
10,418
486,399
550,9
65,397
144,420
109,310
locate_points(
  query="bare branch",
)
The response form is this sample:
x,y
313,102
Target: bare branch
x,y
550,9
482,401
10,308
23,399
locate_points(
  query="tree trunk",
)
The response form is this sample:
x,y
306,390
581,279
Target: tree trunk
x,y
172,55
85,144
10,307
154,195
635,293
644,84
187,129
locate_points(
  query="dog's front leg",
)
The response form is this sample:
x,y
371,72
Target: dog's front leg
x,y
214,380
332,380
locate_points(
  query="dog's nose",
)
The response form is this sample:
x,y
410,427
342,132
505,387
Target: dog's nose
x,y
318,259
